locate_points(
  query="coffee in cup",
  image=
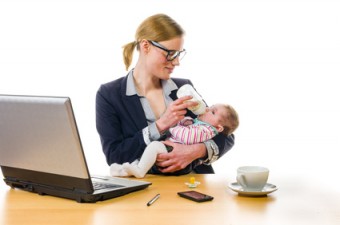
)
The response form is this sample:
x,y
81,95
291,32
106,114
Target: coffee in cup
x,y
252,178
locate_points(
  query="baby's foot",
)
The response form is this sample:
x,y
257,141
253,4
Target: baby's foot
x,y
133,170
117,170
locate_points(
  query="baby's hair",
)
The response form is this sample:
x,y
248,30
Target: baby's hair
x,y
231,121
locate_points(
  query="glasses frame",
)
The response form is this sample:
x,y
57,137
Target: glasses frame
x,y
171,54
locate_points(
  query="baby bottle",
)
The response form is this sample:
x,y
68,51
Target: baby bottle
x,y
186,90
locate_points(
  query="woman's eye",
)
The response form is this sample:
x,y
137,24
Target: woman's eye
x,y
172,53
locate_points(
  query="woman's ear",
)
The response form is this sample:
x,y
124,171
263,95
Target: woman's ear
x,y
144,46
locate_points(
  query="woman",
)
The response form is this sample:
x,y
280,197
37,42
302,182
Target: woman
x,y
139,108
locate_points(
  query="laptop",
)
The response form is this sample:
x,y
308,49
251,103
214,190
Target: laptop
x,y
41,152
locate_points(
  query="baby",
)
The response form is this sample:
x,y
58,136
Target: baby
x,y
219,118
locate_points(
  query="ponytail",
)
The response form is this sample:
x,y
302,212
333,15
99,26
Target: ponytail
x,y
128,53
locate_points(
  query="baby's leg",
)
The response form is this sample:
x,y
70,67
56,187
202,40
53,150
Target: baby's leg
x,y
148,159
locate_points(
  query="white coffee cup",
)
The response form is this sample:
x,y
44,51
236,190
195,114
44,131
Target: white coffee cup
x,y
252,178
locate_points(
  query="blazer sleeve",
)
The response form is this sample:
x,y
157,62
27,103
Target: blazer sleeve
x,y
121,136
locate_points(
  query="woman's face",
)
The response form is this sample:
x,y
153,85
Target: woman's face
x,y
157,62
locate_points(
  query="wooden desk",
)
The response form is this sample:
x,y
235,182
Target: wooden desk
x,y
296,202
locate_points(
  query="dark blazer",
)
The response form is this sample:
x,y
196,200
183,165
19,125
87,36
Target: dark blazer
x,y
120,120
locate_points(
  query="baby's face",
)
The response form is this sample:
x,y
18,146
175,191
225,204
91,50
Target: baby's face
x,y
215,115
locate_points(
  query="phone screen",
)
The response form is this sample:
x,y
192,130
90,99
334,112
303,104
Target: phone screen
x,y
195,196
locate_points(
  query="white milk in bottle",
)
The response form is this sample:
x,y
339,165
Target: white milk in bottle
x,y
186,90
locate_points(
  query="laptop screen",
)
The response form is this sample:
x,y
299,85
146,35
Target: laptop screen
x,y
40,134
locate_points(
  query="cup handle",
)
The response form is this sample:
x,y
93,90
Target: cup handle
x,y
240,180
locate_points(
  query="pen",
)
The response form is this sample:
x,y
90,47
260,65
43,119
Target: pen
x,y
153,200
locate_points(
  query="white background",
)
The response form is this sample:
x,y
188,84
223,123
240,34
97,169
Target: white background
x,y
276,62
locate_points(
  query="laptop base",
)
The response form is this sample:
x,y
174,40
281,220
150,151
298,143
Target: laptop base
x,y
29,181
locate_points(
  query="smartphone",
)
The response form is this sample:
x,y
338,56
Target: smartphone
x,y
195,196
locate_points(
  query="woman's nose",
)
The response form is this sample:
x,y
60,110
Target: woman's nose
x,y
175,62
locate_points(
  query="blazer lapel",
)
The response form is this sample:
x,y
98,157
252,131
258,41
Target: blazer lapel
x,y
133,107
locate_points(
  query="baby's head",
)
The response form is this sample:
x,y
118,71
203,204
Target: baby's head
x,y
223,117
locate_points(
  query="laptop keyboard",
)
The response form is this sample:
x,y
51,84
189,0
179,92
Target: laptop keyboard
x,y
99,185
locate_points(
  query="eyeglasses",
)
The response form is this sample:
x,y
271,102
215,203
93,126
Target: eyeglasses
x,y
171,54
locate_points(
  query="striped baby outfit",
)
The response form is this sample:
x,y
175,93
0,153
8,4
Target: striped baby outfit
x,y
194,133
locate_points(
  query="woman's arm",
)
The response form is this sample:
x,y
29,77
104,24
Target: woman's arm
x,y
183,155
122,140
180,157
174,113
217,147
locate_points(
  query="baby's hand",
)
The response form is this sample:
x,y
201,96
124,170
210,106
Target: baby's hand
x,y
186,121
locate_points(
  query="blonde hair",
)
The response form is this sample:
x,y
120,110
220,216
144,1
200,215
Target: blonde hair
x,y
231,121
159,27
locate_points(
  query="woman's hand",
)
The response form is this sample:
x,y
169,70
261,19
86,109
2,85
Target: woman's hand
x,y
180,156
174,113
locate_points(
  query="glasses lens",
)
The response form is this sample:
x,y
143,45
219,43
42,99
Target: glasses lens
x,y
172,55
182,54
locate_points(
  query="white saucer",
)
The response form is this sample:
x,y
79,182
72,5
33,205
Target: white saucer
x,y
268,188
